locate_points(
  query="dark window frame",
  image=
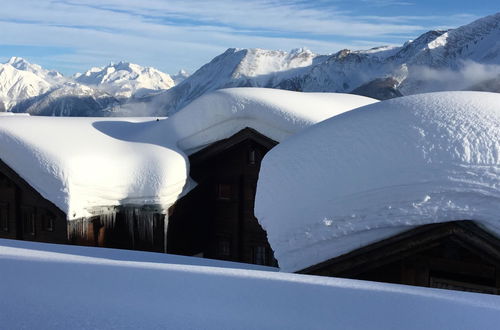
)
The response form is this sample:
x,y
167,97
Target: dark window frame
x,y
252,157
224,191
224,247
29,220
48,222
260,255
4,217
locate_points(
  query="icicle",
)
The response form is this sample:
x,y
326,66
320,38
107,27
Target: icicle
x,y
139,222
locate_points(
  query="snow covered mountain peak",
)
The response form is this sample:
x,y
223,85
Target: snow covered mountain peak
x,y
478,41
180,76
125,79
22,64
16,85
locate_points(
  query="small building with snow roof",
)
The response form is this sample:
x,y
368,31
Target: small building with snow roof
x,y
404,191
120,182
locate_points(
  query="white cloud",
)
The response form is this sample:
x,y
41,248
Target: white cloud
x,y
469,74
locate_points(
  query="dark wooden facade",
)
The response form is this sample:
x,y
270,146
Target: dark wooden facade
x,y
125,227
216,219
25,214
454,255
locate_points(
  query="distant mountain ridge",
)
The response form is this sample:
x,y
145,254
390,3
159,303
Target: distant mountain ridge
x,y
465,58
27,87
126,80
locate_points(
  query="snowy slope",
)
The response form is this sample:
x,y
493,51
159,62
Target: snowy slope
x,y
51,76
69,100
27,87
76,291
376,171
478,41
180,76
17,85
238,68
125,80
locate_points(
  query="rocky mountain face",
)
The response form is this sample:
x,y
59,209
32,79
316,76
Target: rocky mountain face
x,y
466,58
237,68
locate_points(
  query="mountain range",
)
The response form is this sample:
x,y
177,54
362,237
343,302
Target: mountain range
x,y
27,87
465,58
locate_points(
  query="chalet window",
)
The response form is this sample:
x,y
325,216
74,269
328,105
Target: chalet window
x,y
224,248
224,191
252,158
4,217
48,222
28,215
260,255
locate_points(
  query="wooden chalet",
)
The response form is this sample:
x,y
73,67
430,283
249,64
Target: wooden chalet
x,y
457,255
216,220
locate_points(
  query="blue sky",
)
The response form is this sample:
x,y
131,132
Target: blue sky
x,y
74,35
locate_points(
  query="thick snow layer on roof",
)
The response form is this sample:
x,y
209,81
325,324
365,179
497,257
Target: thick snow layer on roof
x,y
274,113
89,288
376,171
82,163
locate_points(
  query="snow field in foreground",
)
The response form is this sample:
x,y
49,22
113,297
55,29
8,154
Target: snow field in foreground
x,y
89,288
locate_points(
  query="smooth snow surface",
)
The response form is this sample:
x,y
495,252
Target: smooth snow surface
x,y
88,288
376,171
83,163
274,113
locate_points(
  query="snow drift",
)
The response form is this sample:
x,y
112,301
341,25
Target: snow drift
x,y
86,288
376,171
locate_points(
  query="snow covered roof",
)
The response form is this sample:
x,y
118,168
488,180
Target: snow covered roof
x,y
119,289
274,113
83,163
376,171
